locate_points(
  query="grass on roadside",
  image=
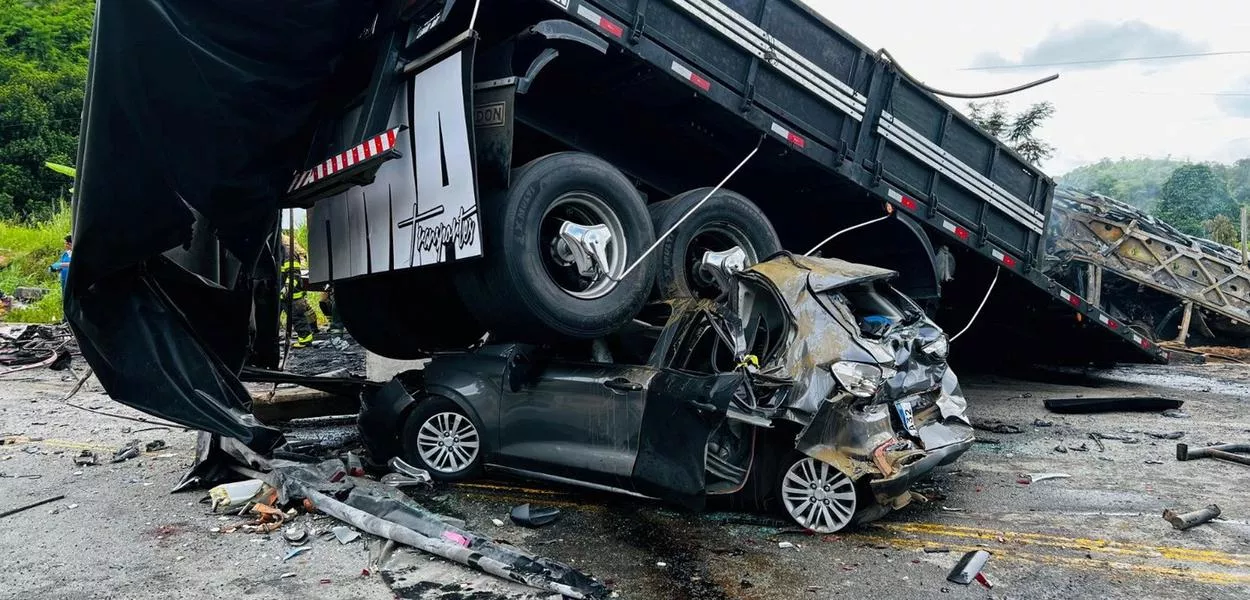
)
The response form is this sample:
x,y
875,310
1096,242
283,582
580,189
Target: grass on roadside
x,y
26,252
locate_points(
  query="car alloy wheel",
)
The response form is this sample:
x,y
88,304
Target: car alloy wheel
x,y
818,496
448,442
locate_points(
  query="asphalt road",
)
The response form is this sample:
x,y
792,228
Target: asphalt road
x,y
1096,534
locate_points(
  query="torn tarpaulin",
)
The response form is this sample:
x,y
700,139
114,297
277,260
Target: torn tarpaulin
x,y
159,337
380,510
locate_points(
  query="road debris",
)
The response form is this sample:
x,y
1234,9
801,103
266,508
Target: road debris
x,y
968,567
1184,521
528,516
86,458
235,495
787,545
295,535
1171,435
1230,452
127,452
1153,462
293,552
1098,440
1042,423
496,522
155,445
1080,406
345,535
1061,449
14,511
1176,413
1038,477
996,426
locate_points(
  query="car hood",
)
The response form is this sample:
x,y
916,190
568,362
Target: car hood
x,y
822,332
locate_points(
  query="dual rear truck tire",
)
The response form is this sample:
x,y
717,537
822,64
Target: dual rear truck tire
x,y
528,288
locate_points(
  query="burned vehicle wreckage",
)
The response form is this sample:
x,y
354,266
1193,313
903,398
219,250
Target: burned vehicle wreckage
x,y
811,385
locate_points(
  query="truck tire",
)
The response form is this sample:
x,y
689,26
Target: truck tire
x,y
726,220
528,286
407,314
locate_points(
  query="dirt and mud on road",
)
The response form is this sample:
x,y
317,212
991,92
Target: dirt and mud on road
x,y
1097,533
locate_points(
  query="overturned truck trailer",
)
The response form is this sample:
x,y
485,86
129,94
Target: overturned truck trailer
x,y
1164,283
506,168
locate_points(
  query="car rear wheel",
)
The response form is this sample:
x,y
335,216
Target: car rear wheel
x,y
439,437
559,242
726,221
817,495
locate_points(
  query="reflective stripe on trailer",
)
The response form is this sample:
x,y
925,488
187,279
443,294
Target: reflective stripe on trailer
x,y
789,136
1004,258
1070,298
1141,341
694,78
1108,321
959,232
599,20
908,202
362,152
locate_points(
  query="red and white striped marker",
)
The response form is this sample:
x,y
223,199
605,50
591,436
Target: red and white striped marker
x,y
600,21
365,151
789,136
1070,298
694,78
1004,258
959,231
1141,341
1108,321
906,201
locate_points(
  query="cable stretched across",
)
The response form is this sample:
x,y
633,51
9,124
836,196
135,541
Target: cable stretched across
x,y
851,228
997,270
975,96
660,239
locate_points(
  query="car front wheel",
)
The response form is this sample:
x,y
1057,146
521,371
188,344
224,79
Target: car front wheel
x,y
816,495
439,437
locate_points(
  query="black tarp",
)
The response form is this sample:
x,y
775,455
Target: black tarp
x,y
194,108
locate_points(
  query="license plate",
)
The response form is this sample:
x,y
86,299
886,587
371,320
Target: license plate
x,y
903,409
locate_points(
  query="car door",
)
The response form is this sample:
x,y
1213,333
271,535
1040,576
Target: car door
x,y
578,420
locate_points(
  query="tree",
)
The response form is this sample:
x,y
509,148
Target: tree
x,y
1193,195
1221,230
43,72
1019,130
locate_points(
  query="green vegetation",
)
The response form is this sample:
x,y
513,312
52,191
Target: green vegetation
x,y
43,71
26,251
1018,130
1135,181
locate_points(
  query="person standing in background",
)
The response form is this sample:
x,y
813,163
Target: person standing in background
x,y
62,264
302,321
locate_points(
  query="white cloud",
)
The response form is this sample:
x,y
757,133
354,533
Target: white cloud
x,y
1157,108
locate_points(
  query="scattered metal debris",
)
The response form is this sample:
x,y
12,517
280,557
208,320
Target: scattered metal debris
x,y
1097,440
1037,477
1184,521
86,458
295,535
345,535
154,445
996,426
1113,404
1176,413
1061,449
968,567
236,495
1171,435
14,511
1229,452
127,452
1043,423
293,552
1152,462
528,516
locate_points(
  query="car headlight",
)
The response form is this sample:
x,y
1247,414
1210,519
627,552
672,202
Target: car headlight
x,y
859,379
937,348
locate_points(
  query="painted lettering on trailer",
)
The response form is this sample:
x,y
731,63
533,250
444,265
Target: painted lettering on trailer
x,y
489,115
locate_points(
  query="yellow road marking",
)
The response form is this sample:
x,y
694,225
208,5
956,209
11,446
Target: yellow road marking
x,y
72,445
509,488
1010,554
1055,541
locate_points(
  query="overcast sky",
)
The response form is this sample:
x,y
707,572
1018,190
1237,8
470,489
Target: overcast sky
x,y
1183,108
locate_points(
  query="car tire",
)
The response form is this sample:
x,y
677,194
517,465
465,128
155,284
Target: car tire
x,y
527,287
436,421
816,495
406,315
726,220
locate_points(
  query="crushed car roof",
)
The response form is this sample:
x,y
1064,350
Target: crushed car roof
x,y
821,274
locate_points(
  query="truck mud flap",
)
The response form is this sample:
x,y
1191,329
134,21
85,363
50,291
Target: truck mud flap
x,y
681,413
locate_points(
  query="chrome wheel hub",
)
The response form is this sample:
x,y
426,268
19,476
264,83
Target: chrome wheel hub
x,y
818,496
448,442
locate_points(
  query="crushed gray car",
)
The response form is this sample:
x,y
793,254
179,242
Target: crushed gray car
x,y
811,386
